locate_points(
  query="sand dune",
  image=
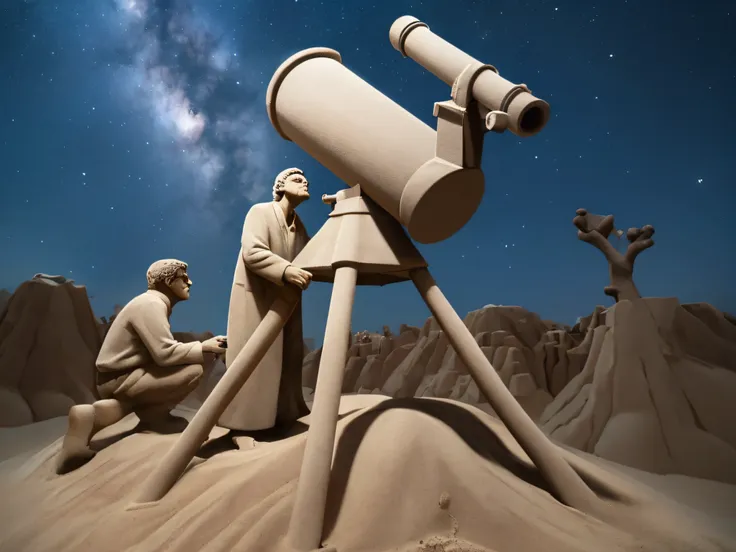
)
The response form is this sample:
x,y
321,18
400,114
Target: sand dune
x,y
409,475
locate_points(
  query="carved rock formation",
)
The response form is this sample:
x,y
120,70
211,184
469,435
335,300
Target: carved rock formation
x,y
420,362
49,341
656,392
4,298
540,360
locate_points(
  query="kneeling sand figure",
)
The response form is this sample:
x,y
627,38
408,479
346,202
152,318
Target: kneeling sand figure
x,y
141,368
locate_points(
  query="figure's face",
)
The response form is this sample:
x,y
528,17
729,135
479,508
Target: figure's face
x,y
296,186
180,285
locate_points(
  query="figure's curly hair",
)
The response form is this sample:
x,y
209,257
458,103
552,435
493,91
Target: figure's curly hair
x,y
164,271
280,182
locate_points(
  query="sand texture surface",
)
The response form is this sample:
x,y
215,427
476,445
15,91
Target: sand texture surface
x,y
427,475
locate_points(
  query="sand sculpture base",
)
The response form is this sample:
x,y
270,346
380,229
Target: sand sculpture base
x,y
423,475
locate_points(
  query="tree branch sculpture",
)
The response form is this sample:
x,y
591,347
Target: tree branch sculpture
x,y
595,230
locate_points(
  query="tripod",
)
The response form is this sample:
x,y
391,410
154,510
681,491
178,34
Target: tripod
x,y
360,244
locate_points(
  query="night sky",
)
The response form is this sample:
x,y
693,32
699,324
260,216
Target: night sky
x,y
136,130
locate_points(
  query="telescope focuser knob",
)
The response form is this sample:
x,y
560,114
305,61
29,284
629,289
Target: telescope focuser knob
x,y
497,121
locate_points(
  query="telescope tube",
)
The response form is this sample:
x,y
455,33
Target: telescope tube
x,y
363,137
413,39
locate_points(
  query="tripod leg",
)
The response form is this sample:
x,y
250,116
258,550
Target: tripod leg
x,y
567,485
307,517
176,460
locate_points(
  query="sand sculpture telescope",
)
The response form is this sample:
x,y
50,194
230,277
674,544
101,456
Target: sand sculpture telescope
x,y
405,166
400,172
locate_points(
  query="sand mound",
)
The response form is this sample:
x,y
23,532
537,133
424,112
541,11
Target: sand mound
x,y
421,475
48,344
657,391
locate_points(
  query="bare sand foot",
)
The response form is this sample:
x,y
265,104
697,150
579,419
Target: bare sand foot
x,y
163,423
75,450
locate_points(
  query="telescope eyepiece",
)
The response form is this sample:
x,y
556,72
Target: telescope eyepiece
x,y
533,119
413,38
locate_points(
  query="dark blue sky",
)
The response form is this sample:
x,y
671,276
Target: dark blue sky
x,y
130,132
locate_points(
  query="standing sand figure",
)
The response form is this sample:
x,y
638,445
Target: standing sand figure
x,y
273,235
141,368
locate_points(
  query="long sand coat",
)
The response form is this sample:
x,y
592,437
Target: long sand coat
x,y
273,393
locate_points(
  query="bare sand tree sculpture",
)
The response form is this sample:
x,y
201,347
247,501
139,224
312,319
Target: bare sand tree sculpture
x,y
595,230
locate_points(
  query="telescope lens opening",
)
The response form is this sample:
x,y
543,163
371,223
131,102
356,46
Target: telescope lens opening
x,y
533,119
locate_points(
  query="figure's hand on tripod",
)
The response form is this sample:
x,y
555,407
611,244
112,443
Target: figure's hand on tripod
x,y
297,277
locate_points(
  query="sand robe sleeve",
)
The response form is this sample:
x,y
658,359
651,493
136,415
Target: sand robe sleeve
x,y
257,253
151,323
